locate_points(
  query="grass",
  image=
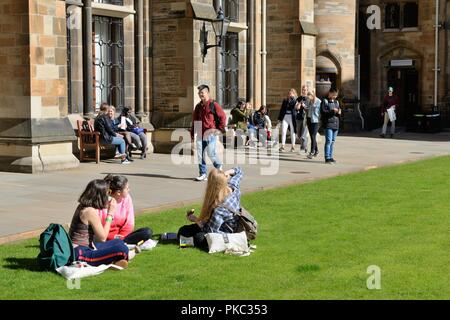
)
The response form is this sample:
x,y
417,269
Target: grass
x,y
316,241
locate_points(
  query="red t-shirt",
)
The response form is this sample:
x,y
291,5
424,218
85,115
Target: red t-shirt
x,y
204,114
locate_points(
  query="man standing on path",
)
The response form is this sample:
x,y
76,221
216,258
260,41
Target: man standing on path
x,y
388,111
210,116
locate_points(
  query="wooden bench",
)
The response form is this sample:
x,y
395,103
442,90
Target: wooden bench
x,y
89,139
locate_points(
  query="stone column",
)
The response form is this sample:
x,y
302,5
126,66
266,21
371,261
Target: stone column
x,y
35,134
308,46
88,107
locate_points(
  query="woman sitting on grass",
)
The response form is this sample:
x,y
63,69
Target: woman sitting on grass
x,y
123,224
222,195
86,224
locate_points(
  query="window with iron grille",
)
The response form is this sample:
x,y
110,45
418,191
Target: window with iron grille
x,y
230,62
231,10
108,61
401,15
392,16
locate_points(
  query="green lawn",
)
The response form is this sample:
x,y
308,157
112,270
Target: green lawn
x,y
316,241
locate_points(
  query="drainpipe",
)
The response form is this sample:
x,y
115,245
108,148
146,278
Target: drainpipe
x,y
88,108
139,54
436,58
263,55
219,63
250,49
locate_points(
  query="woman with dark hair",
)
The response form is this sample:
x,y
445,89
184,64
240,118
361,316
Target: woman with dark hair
x,y
123,224
86,224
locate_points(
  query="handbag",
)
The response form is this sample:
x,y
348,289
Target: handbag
x,y
218,242
137,130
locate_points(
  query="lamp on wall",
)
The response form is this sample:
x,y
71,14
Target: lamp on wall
x,y
220,27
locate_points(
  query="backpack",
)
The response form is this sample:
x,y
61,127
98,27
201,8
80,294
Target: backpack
x,y
56,248
246,222
216,116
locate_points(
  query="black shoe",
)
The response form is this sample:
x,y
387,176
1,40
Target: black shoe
x,y
382,135
328,161
129,159
332,160
392,135
316,154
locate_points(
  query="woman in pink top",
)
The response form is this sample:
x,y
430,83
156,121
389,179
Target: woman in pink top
x,y
123,224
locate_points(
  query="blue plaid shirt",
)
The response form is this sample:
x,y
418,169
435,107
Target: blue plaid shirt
x,y
222,220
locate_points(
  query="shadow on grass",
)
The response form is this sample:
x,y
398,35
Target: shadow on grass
x,y
29,264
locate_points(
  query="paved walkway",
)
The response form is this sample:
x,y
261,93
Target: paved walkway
x,y
31,202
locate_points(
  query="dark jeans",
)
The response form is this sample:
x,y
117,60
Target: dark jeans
x,y
106,253
193,230
313,128
135,237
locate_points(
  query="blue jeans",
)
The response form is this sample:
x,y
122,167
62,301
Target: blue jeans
x,y
106,253
330,138
210,145
120,142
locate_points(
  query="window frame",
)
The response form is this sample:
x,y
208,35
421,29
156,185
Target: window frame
x,y
401,21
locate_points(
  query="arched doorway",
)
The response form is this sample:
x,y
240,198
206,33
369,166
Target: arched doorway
x,y
402,71
328,73
405,81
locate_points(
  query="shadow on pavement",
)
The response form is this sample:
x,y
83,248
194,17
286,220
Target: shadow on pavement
x,y
149,175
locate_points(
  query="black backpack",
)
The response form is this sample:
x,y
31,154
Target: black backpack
x,y
216,116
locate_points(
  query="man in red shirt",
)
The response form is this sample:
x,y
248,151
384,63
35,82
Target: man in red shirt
x,y
210,121
390,103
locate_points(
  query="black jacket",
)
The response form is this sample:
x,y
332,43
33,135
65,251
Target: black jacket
x,y
300,114
104,125
330,120
289,105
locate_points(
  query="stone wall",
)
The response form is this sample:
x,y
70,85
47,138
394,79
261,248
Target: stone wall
x,y
35,135
283,49
336,21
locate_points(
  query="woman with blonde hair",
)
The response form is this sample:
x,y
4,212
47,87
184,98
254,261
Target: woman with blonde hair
x,y
312,119
287,118
222,196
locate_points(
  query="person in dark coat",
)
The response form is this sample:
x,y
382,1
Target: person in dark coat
x,y
287,117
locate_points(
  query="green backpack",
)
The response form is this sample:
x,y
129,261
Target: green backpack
x,y
56,248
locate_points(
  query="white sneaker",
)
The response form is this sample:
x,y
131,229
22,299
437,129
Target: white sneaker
x,y
203,177
125,161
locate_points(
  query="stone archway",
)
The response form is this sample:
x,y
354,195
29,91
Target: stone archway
x,y
328,72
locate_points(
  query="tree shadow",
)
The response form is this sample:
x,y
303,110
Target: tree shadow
x,y
30,264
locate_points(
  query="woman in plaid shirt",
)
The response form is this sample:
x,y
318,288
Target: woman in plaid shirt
x,y
222,194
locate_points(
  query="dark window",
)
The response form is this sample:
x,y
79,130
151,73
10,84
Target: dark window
x,y
108,60
232,10
392,16
410,15
230,56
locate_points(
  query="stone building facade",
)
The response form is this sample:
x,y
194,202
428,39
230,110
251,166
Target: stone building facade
x,y
401,54
60,59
